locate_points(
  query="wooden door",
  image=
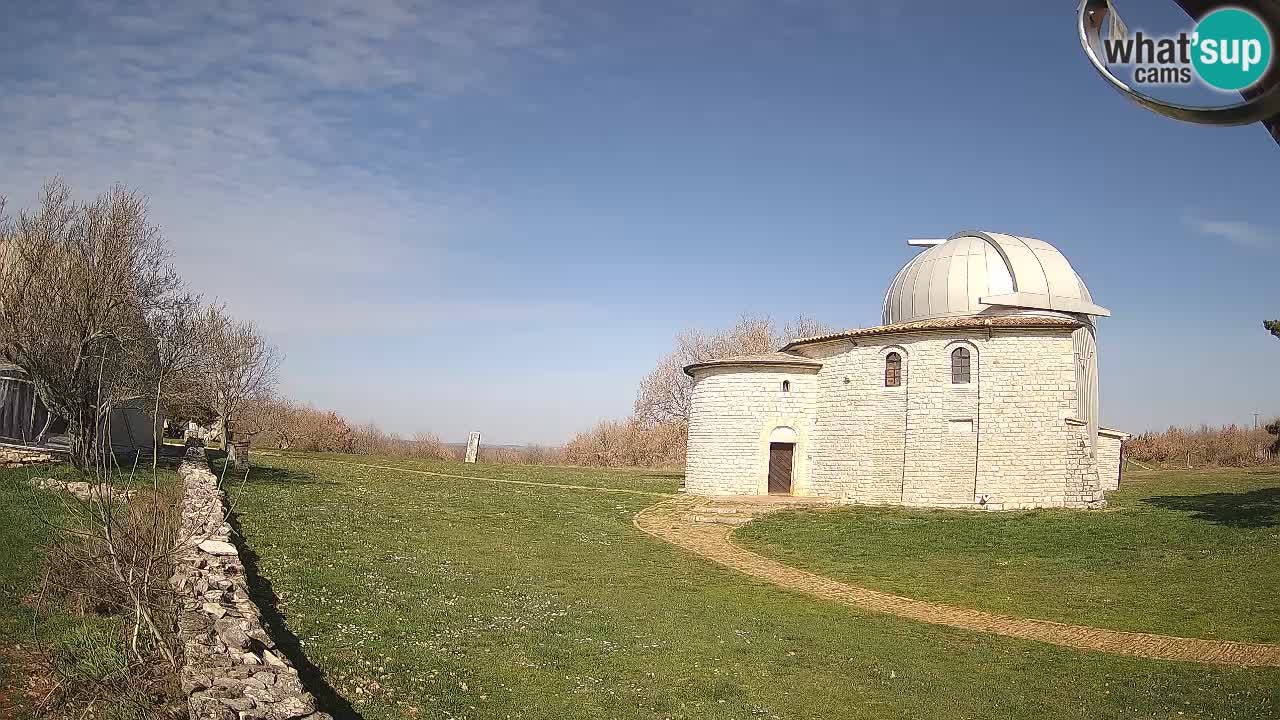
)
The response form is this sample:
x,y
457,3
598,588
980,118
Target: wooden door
x,y
780,457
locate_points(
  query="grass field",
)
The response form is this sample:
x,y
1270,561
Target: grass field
x,y
1180,553
424,596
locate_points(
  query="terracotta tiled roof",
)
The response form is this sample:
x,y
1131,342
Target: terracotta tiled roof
x,y
955,323
771,359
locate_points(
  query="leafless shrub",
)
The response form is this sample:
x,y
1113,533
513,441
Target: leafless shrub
x,y
80,563
628,443
1229,446
111,559
498,456
368,439
503,455
428,445
282,424
533,454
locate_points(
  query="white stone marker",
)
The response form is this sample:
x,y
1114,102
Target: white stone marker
x,y
473,447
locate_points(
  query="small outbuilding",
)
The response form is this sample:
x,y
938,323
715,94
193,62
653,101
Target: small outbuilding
x,y
979,390
24,420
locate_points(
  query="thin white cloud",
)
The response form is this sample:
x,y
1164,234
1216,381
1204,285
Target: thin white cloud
x,y
270,137
1241,234
289,152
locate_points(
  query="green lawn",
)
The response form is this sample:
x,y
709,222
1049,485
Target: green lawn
x,y
424,596
1183,553
656,481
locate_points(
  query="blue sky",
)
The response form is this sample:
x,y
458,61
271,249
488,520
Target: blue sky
x,y
496,216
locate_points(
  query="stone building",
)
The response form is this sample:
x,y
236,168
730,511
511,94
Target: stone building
x,y
980,390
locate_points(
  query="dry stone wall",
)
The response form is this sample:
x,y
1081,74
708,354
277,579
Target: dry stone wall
x,y
232,670
21,457
84,491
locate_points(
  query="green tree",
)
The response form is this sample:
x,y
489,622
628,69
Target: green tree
x,y
1273,326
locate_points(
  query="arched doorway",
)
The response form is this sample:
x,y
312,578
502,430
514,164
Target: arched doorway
x,y
782,450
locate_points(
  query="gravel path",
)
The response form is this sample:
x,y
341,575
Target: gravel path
x,y
684,522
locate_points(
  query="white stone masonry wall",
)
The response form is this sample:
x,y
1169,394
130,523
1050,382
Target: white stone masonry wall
x,y
1000,441
1029,455
859,430
732,413
1109,454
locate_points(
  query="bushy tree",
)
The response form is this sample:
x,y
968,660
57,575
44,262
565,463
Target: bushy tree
x,y
1272,326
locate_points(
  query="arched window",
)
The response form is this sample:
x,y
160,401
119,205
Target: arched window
x,y
892,370
960,365
786,386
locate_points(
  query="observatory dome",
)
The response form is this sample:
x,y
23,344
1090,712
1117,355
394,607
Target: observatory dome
x,y
986,273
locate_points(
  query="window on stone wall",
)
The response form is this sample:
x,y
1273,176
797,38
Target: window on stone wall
x,y
892,370
960,366
786,386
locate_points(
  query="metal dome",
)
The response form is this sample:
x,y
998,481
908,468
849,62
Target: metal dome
x,y
983,273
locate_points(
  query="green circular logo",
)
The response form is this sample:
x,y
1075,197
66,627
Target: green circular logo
x,y
1231,49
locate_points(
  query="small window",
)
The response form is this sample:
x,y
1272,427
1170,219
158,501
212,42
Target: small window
x,y
960,364
892,370
786,386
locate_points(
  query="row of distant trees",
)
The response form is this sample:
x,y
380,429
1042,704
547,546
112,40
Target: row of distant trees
x,y
283,424
93,310
1206,446
655,435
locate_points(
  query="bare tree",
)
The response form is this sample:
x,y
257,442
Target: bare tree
x,y
176,363
240,366
665,393
78,283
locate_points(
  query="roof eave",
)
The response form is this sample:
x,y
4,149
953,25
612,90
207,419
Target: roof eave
x,y
798,365
916,326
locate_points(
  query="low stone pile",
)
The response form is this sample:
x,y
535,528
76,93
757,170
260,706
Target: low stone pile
x,y
232,670
18,457
83,490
